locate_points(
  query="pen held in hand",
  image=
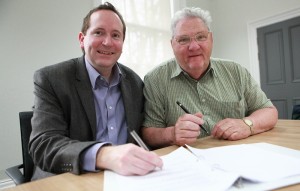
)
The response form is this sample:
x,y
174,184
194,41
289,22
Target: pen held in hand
x,y
139,140
187,111
141,143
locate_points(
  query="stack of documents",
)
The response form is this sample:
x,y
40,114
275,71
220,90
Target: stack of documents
x,y
259,166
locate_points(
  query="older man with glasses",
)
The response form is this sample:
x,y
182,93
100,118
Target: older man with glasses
x,y
221,95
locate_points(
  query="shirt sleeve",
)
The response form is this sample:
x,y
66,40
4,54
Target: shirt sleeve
x,y
154,102
89,157
255,96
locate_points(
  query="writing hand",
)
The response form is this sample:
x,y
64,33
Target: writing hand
x,y
128,159
186,129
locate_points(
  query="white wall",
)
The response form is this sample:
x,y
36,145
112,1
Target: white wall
x,y
33,34
203,4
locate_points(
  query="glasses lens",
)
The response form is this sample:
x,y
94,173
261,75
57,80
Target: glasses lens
x,y
201,37
183,40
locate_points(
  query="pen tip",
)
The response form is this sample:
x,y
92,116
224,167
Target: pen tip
x,y
178,102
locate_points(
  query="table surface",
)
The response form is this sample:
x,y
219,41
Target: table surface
x,y
286,133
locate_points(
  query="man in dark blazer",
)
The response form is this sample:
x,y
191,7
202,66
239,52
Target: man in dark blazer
x,y
84,107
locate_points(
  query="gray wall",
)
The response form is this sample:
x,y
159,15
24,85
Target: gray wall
x,y
33,34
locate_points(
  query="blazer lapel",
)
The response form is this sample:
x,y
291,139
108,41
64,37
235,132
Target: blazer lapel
x,y
128,102
84,89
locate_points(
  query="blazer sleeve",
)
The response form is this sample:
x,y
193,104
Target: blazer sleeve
x,y
59,134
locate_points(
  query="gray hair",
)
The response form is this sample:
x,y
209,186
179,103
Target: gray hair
x,y
190,12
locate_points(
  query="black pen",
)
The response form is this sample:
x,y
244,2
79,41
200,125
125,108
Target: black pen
x,y
187,111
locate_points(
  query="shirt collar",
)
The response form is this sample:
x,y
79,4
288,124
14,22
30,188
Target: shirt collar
x,y
178,70
94,74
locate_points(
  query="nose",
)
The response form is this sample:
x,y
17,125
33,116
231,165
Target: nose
x,y
107,41
193,44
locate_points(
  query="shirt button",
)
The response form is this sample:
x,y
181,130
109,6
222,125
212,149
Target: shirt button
x,y
203,100
110,107
112,128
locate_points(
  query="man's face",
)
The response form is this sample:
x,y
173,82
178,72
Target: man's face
x,y
192,56
103,41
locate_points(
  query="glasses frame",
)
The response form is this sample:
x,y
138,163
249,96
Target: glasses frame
x,y
192,37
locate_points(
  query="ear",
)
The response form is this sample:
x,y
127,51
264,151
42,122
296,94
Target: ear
x,y
211,35
81,40
172,41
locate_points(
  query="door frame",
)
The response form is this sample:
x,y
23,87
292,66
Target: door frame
x,y
252,37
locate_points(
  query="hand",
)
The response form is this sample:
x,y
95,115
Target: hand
x,y
187,130
231,129
127,159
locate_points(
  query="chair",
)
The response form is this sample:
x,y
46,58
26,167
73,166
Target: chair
x,y
296,112
15,173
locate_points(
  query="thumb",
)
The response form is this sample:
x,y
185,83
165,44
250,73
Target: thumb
x,y
199,114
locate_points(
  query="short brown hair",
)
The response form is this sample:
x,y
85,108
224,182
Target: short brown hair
x,y
105,6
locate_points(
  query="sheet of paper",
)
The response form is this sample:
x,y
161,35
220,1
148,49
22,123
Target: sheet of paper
x,y
250,186
181,171
252,162
266,167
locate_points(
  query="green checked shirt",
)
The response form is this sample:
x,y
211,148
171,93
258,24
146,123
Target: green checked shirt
x,y
227,90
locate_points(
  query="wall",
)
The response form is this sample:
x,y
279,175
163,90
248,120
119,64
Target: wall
x,y
33,34
230,20
203,4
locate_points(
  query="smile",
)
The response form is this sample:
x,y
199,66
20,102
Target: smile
x,y
105,52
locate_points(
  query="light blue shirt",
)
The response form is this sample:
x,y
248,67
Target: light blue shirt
x,y
111,123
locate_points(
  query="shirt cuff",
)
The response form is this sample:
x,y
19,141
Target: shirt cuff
x,y
89,157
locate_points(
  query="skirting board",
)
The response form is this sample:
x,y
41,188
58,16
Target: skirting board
x,y
6,183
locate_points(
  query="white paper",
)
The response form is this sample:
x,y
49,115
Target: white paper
x,y
181,171
252,162
262,166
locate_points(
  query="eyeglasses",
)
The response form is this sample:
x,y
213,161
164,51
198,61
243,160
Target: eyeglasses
x,y
199,37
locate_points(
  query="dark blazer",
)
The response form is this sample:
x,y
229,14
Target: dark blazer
x,y
64,119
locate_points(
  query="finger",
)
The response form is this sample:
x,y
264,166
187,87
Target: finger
x,y
187,125
143,164
133,164
215,129
199,114
187,133
141,167
151,158
221,130
218,128
229,131
233,136
196,118
154,159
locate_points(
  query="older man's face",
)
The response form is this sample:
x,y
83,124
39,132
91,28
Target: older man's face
x,y
193,55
